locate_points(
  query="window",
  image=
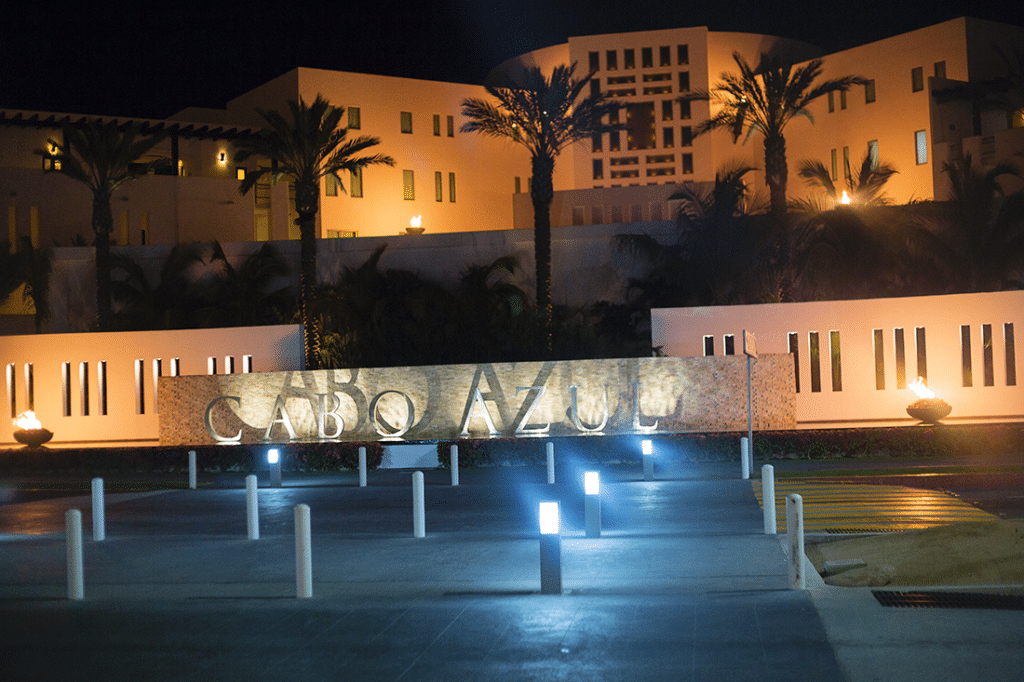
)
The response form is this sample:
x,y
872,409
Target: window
x,y
922,355
437,125
595,87
628,59
873,154
595,142
683,55
438,187
451,188
353,118
687,164
901,357
831,101
684,81
664,56
668,138
921,147
451,126
595,61
240,173
598,169
646,57
1011,357
518,185
836,361
709,345
940,69
917,79
614,143
666,110
842,99
355,183
330,186
684,109
869,91
611,60
794,349
879,359
835,166
640,133
407,122
408,186
686,136
846,162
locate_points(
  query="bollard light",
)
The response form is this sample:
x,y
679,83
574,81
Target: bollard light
x,y
273,457
647,447
274,460
550,550
592,503
592,483
549,518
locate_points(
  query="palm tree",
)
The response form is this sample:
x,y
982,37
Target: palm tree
x,y
307,147
102,156
173,303
867,188
543,115
250,294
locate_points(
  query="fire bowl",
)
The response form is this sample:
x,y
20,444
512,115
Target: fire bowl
x,y
929,410
33,438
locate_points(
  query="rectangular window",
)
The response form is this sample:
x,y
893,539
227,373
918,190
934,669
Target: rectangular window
x,y
595,61
846,162
451,188
666,110
628,59
246,364
437,125
598,169
408,186
451,126
140,385
668,138
353,118
240,173
966,373
917,79
158,371
709,345
794,349
101,386
901,357
684,109
687,164
65,384
611,60
987,356
211,366
837,360
940,69
835,165
683,55
664,56
921,147
646,57
438,187
686,136
869,91
83,388
614,142
229,366
330,186
1011,357
595,142
595,87
406,122
831,101
879,342
355,183
842,99
873,153
518,185
922,353
684,81
815,353
12,398
729,343
30,387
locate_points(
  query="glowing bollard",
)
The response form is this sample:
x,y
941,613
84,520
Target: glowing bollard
x,y
191,469
419,521
592,503
274,460
551,463
99,526
362,466
76,567
550,549
252,512
744,462
303,554
455,464
795,540
647,448
768,498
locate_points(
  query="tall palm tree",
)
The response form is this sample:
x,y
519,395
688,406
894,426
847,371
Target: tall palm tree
x,y
102,156
545,115
867,188
307,146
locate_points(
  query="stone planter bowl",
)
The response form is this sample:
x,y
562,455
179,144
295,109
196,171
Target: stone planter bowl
x,y
929,410
33,438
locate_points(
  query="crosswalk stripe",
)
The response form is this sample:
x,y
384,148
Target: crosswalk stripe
x,y
856,506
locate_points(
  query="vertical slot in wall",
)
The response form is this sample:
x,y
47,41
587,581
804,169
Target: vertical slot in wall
x,y
709,345
1011,358
836,357
729,342
879,345
65,386
83,388
229,364
815,360
158,371
966,372
30,387
101,386
987,356
12,401
211,366
175,367
140,387
794,348
922,354
900,347
246,364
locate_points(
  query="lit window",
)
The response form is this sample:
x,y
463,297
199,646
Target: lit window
x,y
683,54
330,186
873,154
598,169
451,126
831,101
687,164
835,166
917,79
355,183
646,57
612,60
628,59
684,109
353,118
595,61
437,125
595,87
668,138
869,91
666,110
595,142
846,162
407,122
438,187
921,146
686,136
664,56
408,188
614,141
240,173
684,81
518,185
451,188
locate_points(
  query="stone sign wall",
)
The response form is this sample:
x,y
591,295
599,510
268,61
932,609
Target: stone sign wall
x,y
558,398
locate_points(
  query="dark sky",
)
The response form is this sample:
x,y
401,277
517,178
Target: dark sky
x,y
130,60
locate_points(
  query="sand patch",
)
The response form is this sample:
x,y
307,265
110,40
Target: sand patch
x,y
975,553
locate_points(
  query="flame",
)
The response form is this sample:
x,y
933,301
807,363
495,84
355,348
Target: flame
x,y
920,389
845,199
27,421
416,220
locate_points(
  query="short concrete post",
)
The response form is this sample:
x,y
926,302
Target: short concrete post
x,y
76,567
455,464
592,503
362,466
192,469
252,513
744,462
551,463
795,540
419,524
550,549
274,460
768,498
99,526
303,554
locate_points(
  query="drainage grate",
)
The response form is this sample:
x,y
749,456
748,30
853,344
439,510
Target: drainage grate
x,y
853,531
949,600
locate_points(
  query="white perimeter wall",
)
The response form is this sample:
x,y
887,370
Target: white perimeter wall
x,y
971,352
63,377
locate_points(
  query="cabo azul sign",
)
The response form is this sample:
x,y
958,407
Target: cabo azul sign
x,y
558,398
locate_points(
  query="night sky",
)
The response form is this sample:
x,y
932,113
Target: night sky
x,y
153,61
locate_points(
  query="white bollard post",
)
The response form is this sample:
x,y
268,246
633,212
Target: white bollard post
x,y
455,464
274,460
592,503
551,463
550,549
99,527
252,514
76,567
303,554
192,469
419,525
362,466
744,462
795,540
768,498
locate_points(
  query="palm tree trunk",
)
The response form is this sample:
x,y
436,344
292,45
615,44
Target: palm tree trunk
x,y
102,225
542,194
307,203
776,172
